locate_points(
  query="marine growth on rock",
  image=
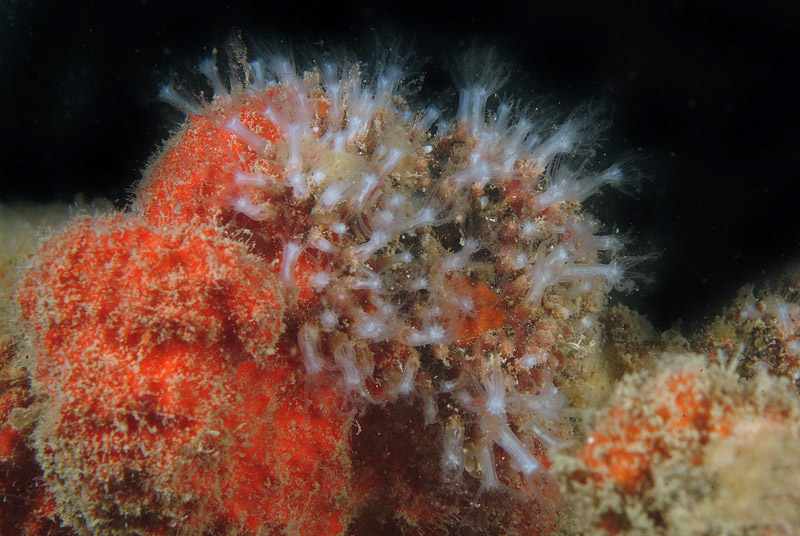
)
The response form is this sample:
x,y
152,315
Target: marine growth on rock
x,y
330,309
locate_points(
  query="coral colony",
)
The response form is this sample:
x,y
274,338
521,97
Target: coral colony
x,y
334,310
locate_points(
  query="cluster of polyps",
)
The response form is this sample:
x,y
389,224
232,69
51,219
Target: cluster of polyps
x,y
426,258
772,322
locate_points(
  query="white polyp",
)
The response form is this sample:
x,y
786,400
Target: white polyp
x,y
519,134
396,201
428,118
545,271
520,261
259,72
541,434
291,253
580,288
401,258
244,205
253,140
549,403
562,189
494,384
405,385
430,334
170,96
784,312
420,283
452,463
286,72
321,243
368,184
443,126
584,324
250,179
273,116
383,219
530,360
373,327
532,229
502,114
303,112
612,243
489,480
464,399
332,195
464,105
299,184
480,94
562,141
345,358
390,162
611,272
429,408
507,440
387,83
366,280
317,177
328,319
333,87
354,126
294,135
613,176
209,69
319,280
422,218
464,302
339,142
378,240
449,386
458,261
308,341
478,173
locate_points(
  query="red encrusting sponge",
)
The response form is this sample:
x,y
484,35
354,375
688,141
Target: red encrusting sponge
x,y
169,397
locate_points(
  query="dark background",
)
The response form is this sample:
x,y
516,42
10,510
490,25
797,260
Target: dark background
x,y
708,94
